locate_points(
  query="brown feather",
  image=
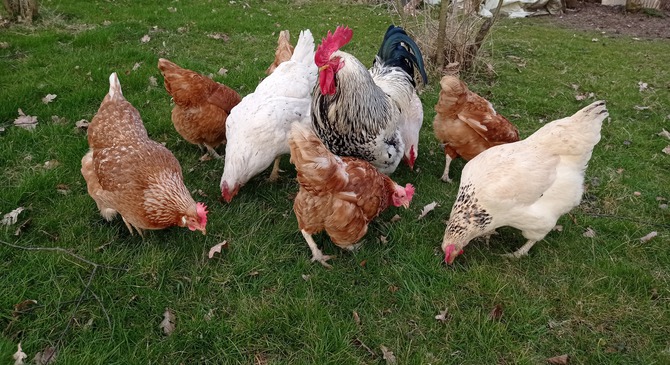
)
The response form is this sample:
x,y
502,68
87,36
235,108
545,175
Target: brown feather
x,y
284,51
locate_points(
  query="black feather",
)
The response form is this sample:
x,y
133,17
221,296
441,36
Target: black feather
x,y
399,50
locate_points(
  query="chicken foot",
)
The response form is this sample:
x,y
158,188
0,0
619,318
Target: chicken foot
x,y
274,175
317,255
445,174
523,251
212,152
130,228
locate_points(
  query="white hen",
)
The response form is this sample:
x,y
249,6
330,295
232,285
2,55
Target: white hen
x,y
258,128
527,185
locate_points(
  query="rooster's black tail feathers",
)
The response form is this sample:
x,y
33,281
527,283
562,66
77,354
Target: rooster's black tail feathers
x,y
399,50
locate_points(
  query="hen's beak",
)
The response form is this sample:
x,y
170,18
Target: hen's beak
x,y
203,230
405,204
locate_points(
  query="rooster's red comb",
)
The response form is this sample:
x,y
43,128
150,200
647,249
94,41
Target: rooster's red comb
x,y
332,43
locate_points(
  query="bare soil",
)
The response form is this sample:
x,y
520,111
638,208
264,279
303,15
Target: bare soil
x,y
615,20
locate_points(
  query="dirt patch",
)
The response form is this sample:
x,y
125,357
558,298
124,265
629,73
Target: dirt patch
x,y
615,20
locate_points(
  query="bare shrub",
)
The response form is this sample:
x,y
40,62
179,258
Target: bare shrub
x,y
21,10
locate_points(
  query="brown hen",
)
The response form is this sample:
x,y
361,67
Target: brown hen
x,y
467,124
201,106
338,195
128,173
284,51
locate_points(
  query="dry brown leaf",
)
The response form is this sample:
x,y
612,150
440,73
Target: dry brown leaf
x,y
168,322
388,355
4,45
19,355
222,71
383,239
363,263
137,66
443,316
639,107
82,124
49,98
496,313
210,314
305,277
254,273
51,164
395,218
427,209
664,133
558,228
217,248
357,318
46,356
153,81
642,86
575,86
23,307
222,36
648,236
172,9
559,360
393,288
11,217
666,150
28,122
590,233
145,39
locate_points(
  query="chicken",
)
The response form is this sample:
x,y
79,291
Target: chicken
x,y
284,51
527,185
258,127
201,106
358,112
338,195
467,124
130,174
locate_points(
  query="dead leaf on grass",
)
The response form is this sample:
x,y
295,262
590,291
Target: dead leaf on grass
x,y
11,217
49,98
305,277
222,36
388,355
590,233
23,307
222,71
82,124
28,122
580,97
637,193
666,150
642,86
19,355
210,314
153,81
51,164
664,133
427,209
496,313
648,236
357,318
168,322
217,248
145,39
4,45
46,356
136,66
205,157
254,273
559,360
383,239
58,120
172,9
393,288
640,107
395,218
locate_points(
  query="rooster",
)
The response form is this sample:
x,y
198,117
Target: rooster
x,y
370,114
527,184
258,127
128,173
338,195
201,105
284,51
467,124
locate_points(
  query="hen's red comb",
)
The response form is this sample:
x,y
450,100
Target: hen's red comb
x,y
201,209
332,43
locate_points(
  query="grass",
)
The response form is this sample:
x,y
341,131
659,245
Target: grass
x,y
604,299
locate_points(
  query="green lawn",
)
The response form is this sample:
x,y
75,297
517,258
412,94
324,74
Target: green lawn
x,y
601,300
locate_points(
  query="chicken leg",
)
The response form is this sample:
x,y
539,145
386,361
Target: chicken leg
x,y
274,175
317,255
212,152
523,251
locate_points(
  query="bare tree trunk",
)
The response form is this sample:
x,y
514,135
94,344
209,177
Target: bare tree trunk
x,y
441,35
479,39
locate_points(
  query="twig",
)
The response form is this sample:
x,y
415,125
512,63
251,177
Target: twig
x,y
60,249
628,219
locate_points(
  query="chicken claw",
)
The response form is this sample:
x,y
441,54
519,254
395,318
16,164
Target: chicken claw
x,y
321,258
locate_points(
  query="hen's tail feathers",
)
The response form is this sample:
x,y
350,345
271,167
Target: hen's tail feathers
x,y
115,92
399,50
318,169
304,49
452,88
179,82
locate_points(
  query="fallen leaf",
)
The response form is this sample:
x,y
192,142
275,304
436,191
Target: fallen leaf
x,y
558,228
589,233
25,121
210,314
58,120
46,356
205,157
620,170
637,193
153,81
649,236
106,23
82,124
639,107
594,39
395,218
357,318
663,206
387,355
168,324
4,45
137,66
172,9
642,85
49,98
496,313
201,193
217,248
427,209
393,288
305,277
51,164
221,36
383,239
363,263
666,150
145,39
11,217
664,133
223,71
23,307
443,316
254,273
559,360
575,86
19,355
21,226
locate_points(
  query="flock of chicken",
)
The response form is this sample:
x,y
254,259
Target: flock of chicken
x,y
345,133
